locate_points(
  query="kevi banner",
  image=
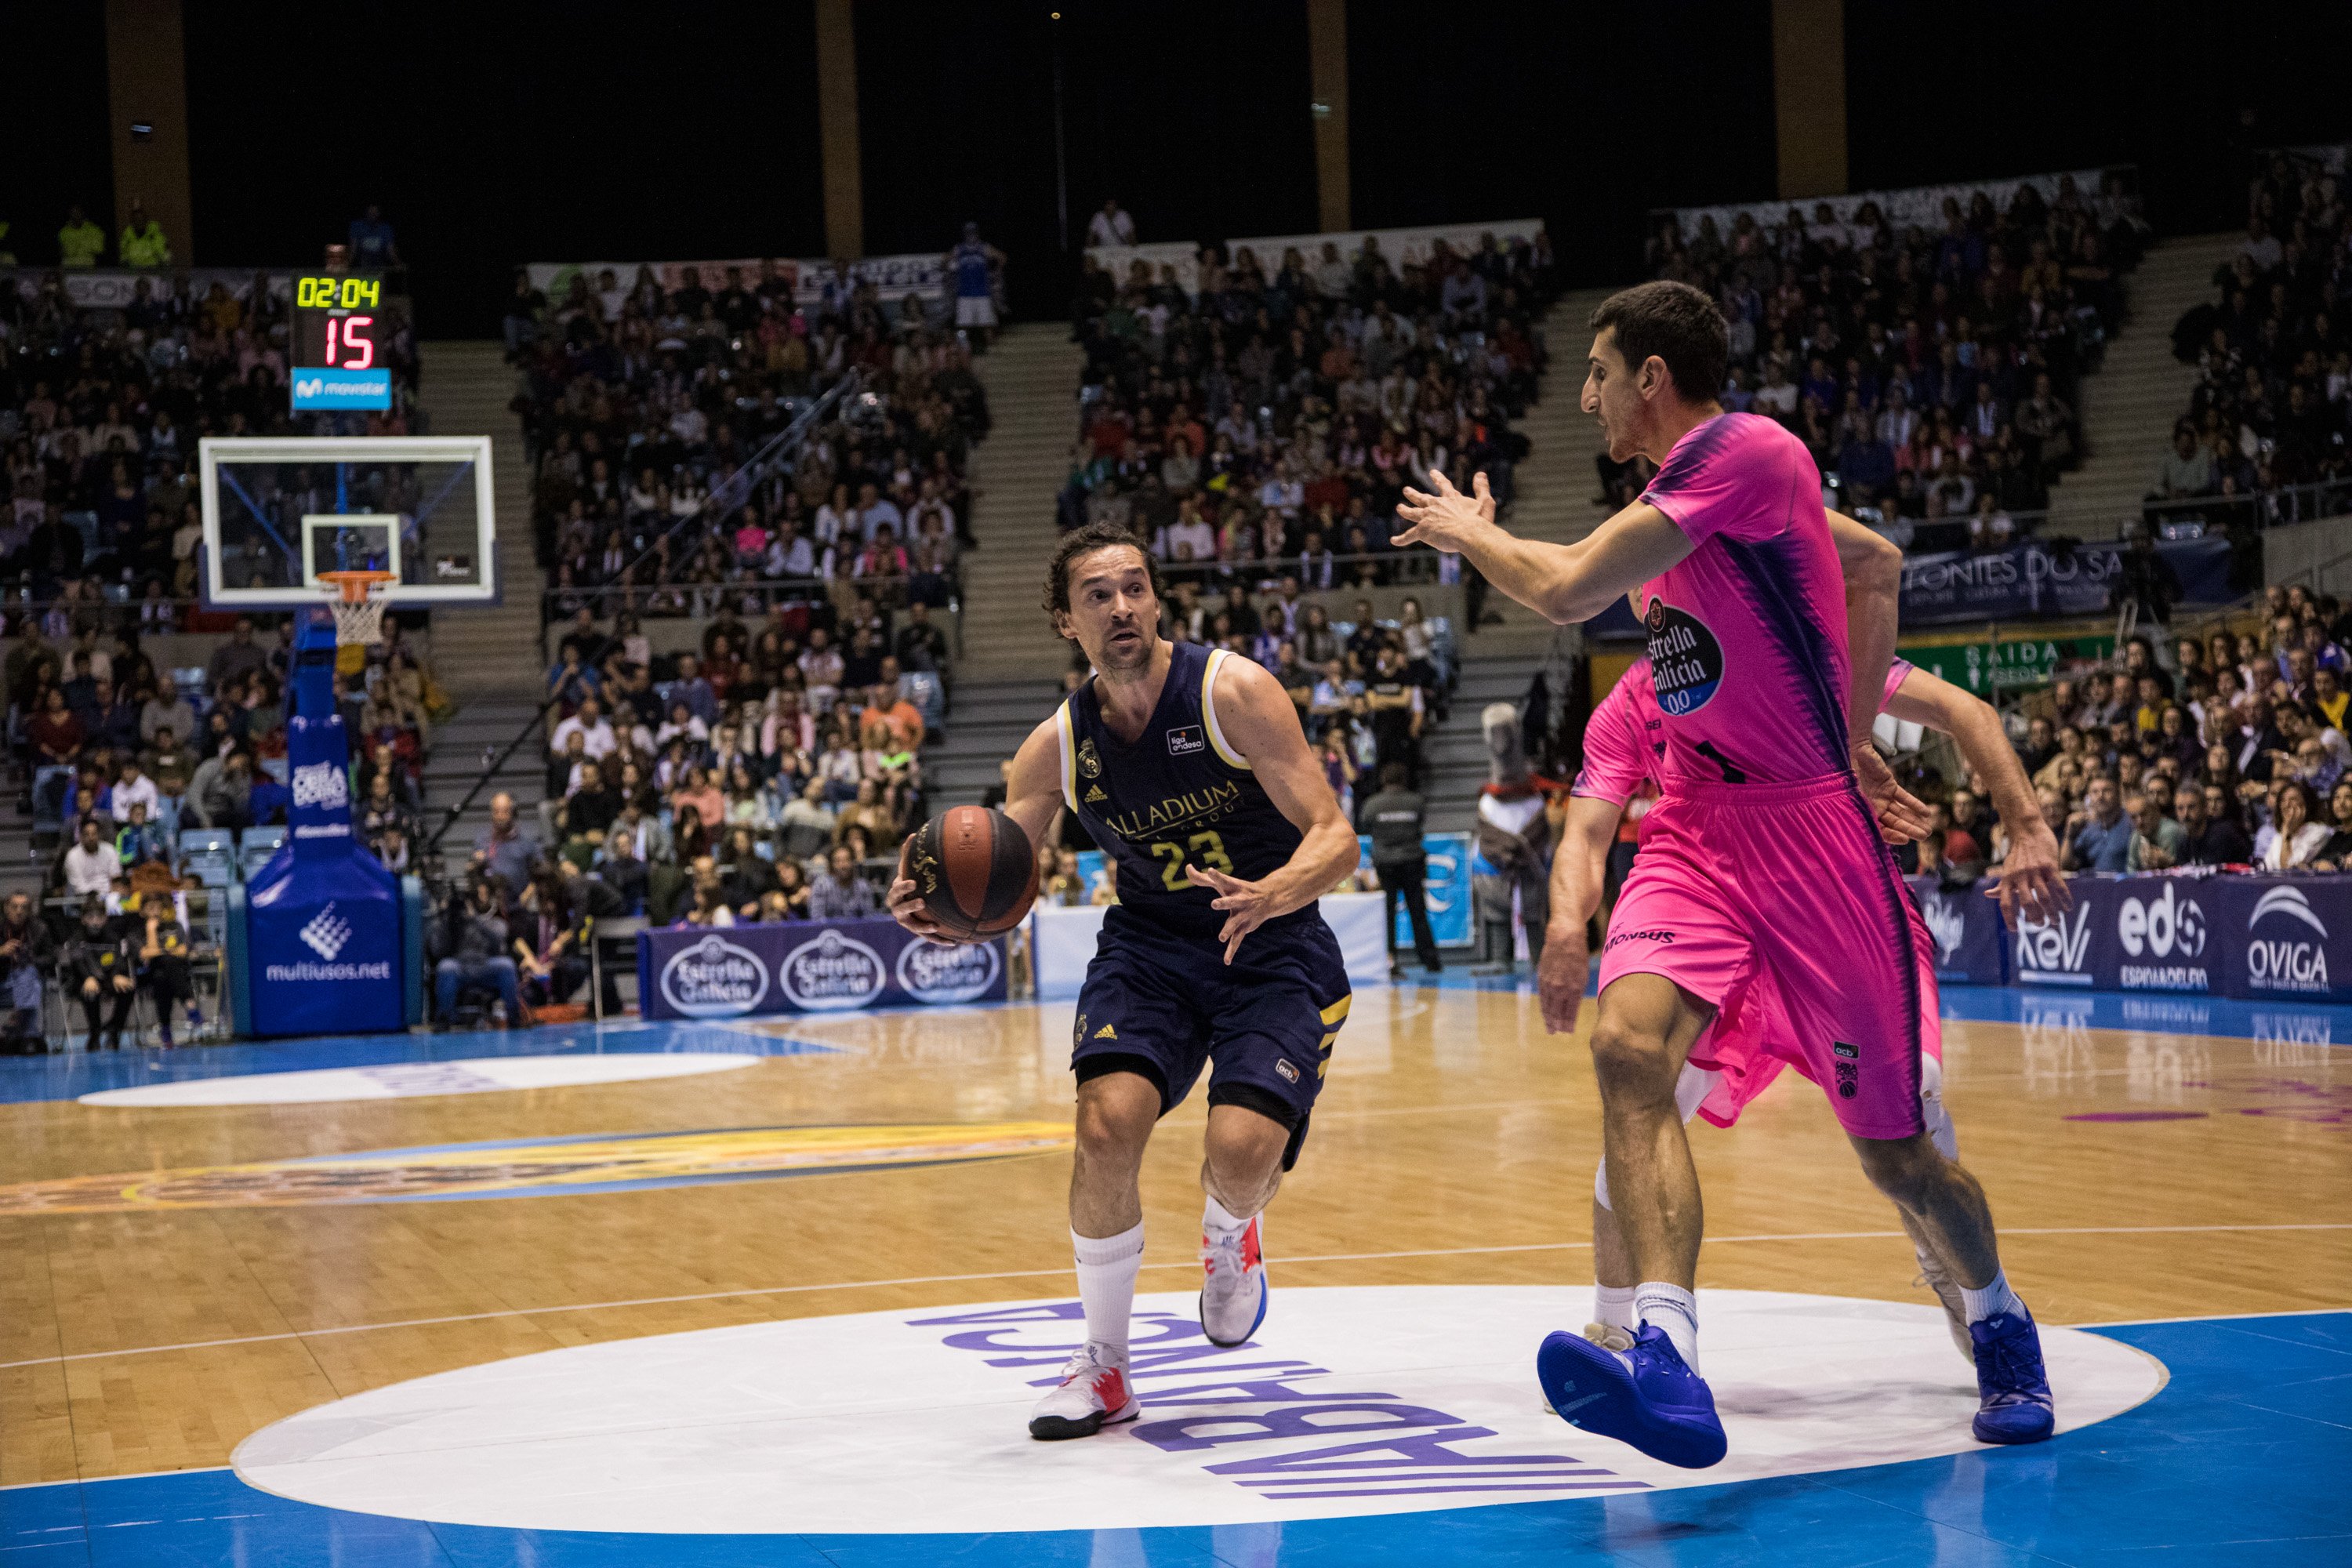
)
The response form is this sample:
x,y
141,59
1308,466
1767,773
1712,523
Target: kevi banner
x,y
802,966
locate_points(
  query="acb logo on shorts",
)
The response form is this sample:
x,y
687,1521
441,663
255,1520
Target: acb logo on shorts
x,y
1685,660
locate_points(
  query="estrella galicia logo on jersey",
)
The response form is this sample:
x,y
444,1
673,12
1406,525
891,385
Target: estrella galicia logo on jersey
x,y
1685,660
936,971
714,979
1089,763
832,972
1184,742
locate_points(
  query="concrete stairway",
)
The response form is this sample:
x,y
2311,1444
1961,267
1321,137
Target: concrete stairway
x,y
1555,486
2130,404
1032,376
465,389
1010,663
463,751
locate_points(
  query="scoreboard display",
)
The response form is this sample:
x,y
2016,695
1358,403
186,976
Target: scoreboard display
x,y
337,343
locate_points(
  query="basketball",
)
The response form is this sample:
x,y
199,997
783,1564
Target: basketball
x,y
975,868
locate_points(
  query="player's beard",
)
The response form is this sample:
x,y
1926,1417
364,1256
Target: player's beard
x,y
1116,657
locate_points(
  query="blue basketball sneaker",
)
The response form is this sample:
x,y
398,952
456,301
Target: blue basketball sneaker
x,y
2012,1393
1646,1396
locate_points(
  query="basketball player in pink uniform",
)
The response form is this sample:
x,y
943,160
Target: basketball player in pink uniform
x,y
1748,1043
1772,626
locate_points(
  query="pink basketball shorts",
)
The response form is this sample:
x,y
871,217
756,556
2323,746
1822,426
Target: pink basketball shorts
x,y
1778,905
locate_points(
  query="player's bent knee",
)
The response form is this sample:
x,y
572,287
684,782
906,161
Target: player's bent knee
x,y
1114,1124
1903,1169
1632,1061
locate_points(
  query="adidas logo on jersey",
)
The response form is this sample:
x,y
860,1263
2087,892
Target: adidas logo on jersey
x,y
1094,794
1105,1033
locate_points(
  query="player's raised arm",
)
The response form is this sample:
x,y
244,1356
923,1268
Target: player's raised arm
x,y
2028,881
1260,720
1563,583
1032,796
1874,604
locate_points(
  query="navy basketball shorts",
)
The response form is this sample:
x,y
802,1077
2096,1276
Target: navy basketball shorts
x,y
1165,1006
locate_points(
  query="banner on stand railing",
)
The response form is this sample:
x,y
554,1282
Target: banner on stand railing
x,y
808,966
1964,932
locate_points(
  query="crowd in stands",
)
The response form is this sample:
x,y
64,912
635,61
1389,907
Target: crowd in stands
x,y
2271,409
772,773
1270,422
645,407
1934,375
1256,436
2231,752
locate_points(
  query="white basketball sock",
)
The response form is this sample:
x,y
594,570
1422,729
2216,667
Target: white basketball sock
x,y
1614,1305
1107,1266
1217,1222
1993,1298
1674,1312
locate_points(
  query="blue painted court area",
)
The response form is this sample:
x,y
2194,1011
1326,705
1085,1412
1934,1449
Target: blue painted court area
x,y
69,1075
2239,1463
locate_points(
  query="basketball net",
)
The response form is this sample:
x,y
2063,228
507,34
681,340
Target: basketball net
x,y
359,606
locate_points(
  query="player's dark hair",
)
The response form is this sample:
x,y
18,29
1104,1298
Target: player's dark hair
x,y
1084,541
1678,323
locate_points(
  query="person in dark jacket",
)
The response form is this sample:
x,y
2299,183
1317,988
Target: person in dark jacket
x,y
26,950
1393,817
97,965
477,952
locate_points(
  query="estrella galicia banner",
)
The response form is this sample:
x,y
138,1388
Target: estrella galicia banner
x,y
1964,928
808,966
2287,938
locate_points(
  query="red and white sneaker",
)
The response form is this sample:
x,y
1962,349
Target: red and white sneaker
x,y
1232,1286
1094,1393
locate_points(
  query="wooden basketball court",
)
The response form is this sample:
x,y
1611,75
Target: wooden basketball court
x,y
240,1264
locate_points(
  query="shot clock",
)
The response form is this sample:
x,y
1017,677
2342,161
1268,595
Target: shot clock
x,y
338,353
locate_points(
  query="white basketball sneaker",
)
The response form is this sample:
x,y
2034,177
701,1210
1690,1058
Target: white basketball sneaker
x,y
1232,1286
1939,1279
1094,1393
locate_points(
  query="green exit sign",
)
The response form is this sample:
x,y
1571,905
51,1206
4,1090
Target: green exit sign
x,y
2009,665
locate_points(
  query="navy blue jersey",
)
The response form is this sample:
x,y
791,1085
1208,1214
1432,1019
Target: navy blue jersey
x,y
1178,795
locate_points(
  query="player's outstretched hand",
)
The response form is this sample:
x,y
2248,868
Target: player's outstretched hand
x,y
906,907
1902,816
1246,905
2028,882
1560,977
1447,518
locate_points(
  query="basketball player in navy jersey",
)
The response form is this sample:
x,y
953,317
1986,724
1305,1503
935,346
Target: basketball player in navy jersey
x,y
1189,766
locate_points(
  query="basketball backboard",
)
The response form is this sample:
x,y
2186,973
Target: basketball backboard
x,y
280,510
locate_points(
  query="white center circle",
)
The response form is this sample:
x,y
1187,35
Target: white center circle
x,y
411,1081
1366,1400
